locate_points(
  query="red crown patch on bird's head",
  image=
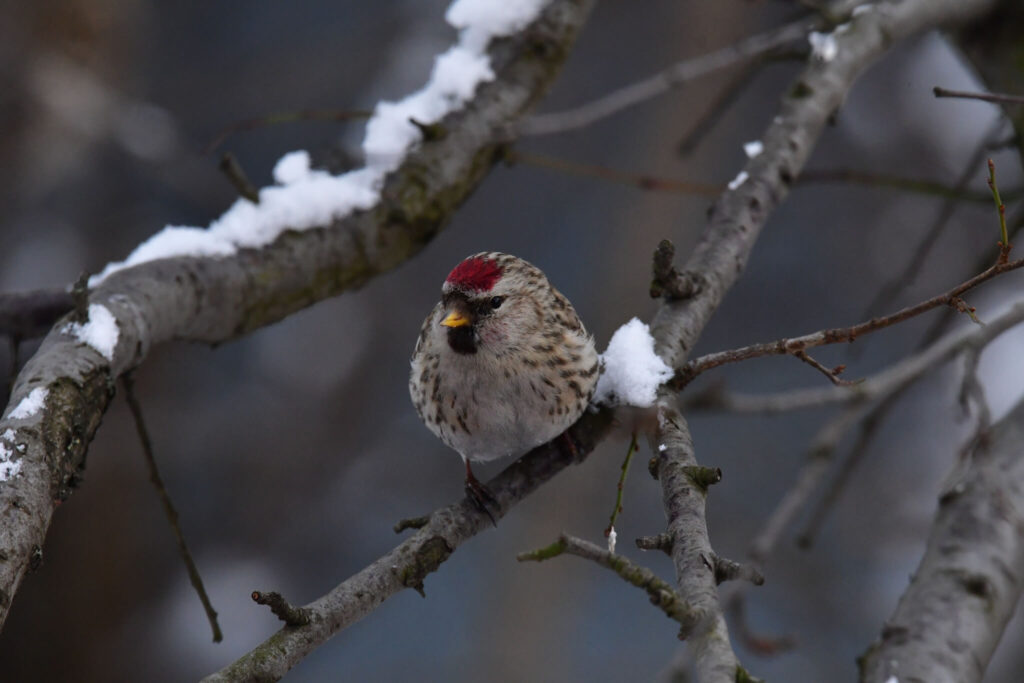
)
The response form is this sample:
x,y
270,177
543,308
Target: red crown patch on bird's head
x,y
476,274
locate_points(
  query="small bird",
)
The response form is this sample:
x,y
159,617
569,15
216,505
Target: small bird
x,y
502,363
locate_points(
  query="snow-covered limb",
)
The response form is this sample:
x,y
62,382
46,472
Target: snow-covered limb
x,y
305,198
215,299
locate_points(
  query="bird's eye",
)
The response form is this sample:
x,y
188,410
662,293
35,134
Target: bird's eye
x,y
496,301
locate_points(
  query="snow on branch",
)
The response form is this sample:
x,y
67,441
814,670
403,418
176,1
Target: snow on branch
x,y
254,266
306,198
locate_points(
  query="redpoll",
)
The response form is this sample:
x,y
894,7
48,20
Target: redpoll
x,y
502,364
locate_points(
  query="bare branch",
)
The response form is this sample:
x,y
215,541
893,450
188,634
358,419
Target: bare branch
x,y
734,225
282,609
672,77
969,580
660,593
797,345
998,98
894,378
684,503
216,299
892,288
409,563
196,579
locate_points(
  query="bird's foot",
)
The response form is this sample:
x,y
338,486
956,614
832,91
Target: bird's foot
x,y
569,446
479,495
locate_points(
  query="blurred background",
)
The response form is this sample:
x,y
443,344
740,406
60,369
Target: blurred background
x,y
291,453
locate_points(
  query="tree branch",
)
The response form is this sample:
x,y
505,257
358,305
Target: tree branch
x,y
660,593
408,564
797,345
672,77
735,221
217,299
969,580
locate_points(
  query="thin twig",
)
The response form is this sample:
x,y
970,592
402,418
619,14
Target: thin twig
x,y
713,114
668,282
128,382
638,180
888,381
818,463
730,570
897,182
282,609
661,594
235,174
868,428
766,646
998,98
653,183
672,77
831,373
411,523
283,117
662,542
794,345
902,282
1004,244
619,490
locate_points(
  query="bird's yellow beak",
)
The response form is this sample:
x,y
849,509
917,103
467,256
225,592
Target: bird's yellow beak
x,y
456,319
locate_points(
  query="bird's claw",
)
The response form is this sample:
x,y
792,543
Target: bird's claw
x,y
481,497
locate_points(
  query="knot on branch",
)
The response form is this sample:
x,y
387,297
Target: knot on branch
x,y
411,523
662,542
282,609
428,557
703,477
668,282
730,570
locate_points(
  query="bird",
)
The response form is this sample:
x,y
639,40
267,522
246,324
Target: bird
x,y
502,363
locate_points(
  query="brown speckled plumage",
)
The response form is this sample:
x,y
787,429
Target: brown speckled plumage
x,y
519,372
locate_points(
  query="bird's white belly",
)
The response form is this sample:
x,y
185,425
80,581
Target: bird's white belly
x,y
489,420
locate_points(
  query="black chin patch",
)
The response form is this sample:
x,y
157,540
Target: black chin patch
x,y
462,339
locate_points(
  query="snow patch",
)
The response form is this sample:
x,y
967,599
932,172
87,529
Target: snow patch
x,y
100,331
8,467
292,167
304,198
632,371
30,405
740,178
612,537
823,45
753,148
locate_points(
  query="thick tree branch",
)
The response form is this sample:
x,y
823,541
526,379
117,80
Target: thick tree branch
x,y
965,590
735,222
692,554
217,299
409,563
